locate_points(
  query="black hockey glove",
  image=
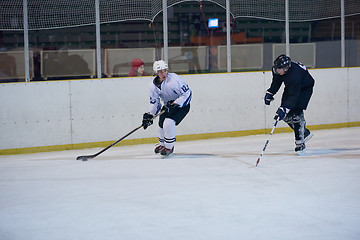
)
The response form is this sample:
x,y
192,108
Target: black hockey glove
x,y
147,120
170,107
281,113
268,98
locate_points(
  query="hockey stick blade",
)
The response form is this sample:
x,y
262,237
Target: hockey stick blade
x,y
86,157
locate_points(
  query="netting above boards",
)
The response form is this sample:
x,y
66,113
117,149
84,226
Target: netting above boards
x,y
299,10
49,14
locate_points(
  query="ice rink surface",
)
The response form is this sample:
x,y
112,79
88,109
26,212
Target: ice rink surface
x,y
209,189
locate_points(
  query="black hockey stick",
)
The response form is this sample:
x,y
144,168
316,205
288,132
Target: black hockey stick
x,y
267,141
86,157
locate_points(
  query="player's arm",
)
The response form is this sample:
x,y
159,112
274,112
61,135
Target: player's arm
x,y
154,101
274,88
154,108
183,91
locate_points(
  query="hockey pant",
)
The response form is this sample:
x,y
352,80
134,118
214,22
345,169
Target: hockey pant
x,y
296,120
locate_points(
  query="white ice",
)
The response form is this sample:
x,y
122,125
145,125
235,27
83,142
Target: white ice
x,y
209,189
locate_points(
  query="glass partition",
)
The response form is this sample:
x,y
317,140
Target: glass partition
x,y
12,66
120,61
196,39
63,63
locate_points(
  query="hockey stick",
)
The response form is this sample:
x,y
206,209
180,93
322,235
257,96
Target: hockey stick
x,y
267,141
86,157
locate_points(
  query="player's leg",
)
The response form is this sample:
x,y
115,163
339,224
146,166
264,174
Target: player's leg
x,y
289,120
299,129
295,119
161,144
169,136
169,123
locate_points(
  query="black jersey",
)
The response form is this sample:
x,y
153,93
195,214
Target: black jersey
x,y
298,86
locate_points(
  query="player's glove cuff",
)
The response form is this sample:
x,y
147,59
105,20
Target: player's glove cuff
x,y
268,98
281,113
170,107
147,120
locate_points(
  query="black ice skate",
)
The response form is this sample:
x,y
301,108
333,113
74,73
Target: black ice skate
x,y
166,152
307,136
158,149
300,147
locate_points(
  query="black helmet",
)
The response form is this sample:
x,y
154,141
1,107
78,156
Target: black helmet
x,y
282,61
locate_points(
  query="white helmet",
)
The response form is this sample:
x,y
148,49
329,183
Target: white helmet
x,y
159,65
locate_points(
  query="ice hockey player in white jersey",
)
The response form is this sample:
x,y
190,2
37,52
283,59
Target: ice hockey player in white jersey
x,y
175,94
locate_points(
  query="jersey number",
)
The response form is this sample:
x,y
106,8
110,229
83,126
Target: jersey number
x,y
185,88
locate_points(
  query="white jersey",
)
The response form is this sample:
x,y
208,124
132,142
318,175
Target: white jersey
x,y
173,88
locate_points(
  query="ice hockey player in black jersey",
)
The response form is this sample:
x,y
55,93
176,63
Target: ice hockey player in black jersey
x,y
175,94
298,89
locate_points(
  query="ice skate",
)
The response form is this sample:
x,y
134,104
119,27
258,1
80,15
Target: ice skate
x,y
166,152
300,148
308,136
159,148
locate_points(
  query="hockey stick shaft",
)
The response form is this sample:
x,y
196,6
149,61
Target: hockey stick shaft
x,y
267,142
86,157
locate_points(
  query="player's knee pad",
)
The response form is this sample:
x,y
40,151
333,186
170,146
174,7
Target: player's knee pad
x,y
169,123
298,118
288,119
169,128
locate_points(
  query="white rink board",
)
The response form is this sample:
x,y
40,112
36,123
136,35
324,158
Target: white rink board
x,y
105,109
354,95
34,114
222,102
69,112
